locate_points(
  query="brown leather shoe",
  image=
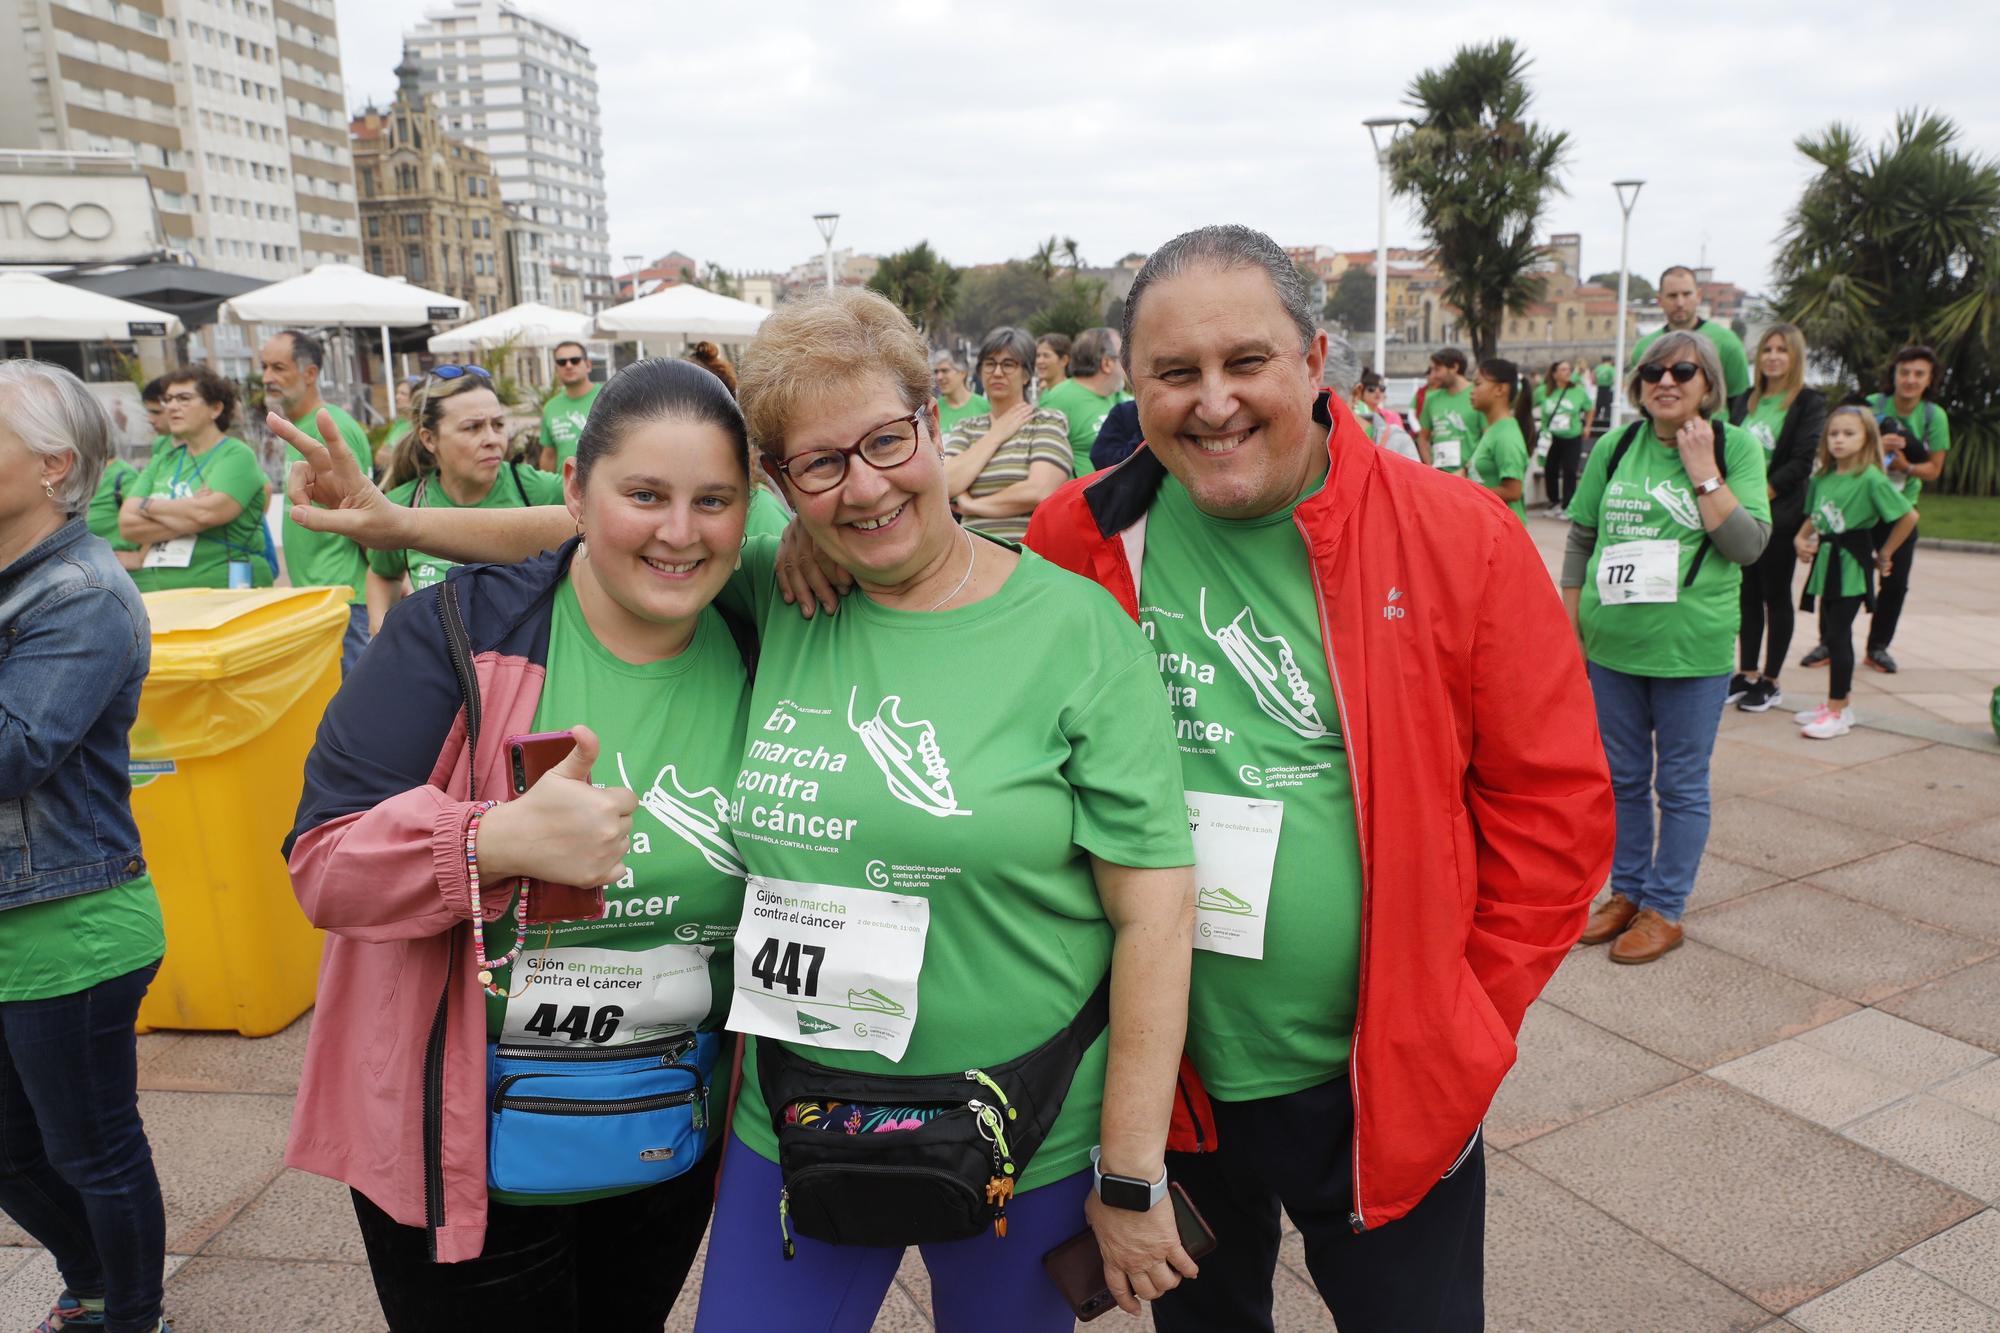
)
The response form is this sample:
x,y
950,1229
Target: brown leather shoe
x,y
1649,936
1609,919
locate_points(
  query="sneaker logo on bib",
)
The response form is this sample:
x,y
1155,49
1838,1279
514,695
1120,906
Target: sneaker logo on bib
x,y
1270,668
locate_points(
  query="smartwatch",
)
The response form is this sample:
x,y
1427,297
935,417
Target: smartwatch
x,y
1127,1192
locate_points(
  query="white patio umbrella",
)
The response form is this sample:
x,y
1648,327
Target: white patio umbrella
x,y
345,295
530,324
32,306
682,312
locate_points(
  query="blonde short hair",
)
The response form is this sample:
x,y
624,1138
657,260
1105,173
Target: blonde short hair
x,y
1673,346
831,339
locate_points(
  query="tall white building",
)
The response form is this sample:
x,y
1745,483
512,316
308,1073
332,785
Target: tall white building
x,y
234,108
525,91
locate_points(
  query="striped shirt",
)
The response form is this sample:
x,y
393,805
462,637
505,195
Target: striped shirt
x,y
1044,438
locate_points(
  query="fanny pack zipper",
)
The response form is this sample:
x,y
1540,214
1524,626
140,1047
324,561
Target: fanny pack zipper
x,y
572,1106
669,1050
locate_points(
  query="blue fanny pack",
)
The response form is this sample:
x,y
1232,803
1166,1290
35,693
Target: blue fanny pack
x,y
569,1120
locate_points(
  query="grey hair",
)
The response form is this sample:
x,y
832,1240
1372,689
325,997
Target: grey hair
x,y
306,349
1008,338
1225,246
951,354
55,415
1092,348
1673,346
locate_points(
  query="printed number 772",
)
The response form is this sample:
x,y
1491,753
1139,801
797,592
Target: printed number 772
x,y
773,971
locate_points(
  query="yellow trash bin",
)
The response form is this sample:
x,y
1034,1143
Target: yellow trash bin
x,y
226,718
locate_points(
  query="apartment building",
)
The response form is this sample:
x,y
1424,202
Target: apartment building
x,y
430,206
524,91
233,108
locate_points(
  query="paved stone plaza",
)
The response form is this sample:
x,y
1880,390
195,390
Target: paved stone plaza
x,y
1793,1121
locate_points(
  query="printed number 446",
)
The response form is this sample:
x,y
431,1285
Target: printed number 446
x,y
775,970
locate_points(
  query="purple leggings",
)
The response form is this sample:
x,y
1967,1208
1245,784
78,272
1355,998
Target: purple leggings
x,y
977,1284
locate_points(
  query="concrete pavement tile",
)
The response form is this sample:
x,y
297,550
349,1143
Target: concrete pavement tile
x,y
1936,887
12,1257
1863,745
33,1286
1938,1139
1965,1004
1777,1209
681,1318
1296,1304
1980,839
1905,795
1568,1069
1753,832
215,1152
1720,880
1834,943
1743,769
227,1062
1553,1262
900,1314
1978,1092
1811,1084
1895,1048
915,1279
1966,1257
255,1296
1894,1296
152,1045
1697,1005
301,1216
11,1235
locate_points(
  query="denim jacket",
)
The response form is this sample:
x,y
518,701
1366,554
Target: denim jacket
x,y
74,648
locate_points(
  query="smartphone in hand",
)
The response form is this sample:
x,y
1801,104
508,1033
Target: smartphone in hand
x,y
528,759
1077,1265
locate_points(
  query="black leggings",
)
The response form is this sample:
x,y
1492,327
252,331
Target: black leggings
x,y
1559,472
1836,623
1767,596
1890,592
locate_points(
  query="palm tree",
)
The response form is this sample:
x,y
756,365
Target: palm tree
x,y
1901,245
921,283
1480,175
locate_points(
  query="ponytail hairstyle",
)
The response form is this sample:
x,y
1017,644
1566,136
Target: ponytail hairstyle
x,y
1871,440
1508,375
710,358
653,390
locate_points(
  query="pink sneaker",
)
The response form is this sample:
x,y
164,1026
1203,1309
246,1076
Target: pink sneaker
x,y
1805,717
1830,724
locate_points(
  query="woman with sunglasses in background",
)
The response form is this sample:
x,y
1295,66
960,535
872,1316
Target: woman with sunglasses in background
x,y
1667,514
198,507
1003,462
458,457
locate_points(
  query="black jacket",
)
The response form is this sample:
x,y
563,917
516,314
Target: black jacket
x,y
1792,460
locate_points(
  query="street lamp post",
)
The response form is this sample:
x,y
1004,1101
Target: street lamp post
x,y
1625,204
826,222
1376,125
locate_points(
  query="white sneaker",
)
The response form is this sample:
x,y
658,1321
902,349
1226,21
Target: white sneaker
x,y
1832,724
1813,714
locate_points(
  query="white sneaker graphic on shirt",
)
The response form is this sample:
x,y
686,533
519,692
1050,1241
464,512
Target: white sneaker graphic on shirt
x,y
682,811
916,772
1278,685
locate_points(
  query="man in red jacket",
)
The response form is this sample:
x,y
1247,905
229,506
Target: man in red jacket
x,y
1399,800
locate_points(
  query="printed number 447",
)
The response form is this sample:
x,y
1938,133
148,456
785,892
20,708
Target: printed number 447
x,y
775,970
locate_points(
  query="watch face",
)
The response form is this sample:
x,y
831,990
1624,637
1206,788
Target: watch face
x,y
1121,1192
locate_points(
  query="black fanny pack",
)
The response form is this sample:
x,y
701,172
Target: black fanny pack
x,y
948,1172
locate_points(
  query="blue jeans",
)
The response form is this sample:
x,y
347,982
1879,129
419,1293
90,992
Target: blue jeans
x,y
76,1171
979,1284
355,639
1658,735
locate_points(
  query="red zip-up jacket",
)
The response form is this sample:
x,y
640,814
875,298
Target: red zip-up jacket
x,y
1480,787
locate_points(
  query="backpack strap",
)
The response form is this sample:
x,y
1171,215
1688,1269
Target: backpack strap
x,y
1720,427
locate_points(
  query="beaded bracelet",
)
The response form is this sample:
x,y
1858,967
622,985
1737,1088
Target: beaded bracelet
x,y
486,965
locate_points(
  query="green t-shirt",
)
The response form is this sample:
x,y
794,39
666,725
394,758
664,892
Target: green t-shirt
x,y
1650,500
1766,421
1927,423
949,416
1451,421
71,944
1256,719
885,754
1604,374
1562,415
398,428
562,423
1501,454
515,486
102,515
228,467
326,559
672,731
1085,411
768,516
1728,350
1840,502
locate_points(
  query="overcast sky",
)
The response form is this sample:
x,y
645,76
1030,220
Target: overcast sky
x,y
985,127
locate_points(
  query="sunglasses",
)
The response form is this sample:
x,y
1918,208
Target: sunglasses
x,y
571,360
454,372
1682,371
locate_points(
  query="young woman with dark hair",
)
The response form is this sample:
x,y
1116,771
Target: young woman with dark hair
x,y
1500,460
